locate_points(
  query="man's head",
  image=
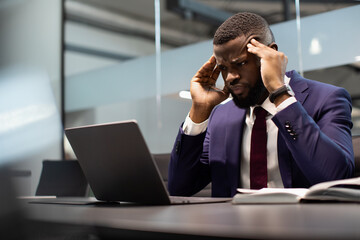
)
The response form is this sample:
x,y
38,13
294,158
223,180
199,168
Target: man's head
x,y
241,69
244,24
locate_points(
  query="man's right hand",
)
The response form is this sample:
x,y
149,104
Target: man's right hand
x,y
205,96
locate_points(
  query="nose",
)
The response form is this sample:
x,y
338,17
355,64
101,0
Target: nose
x,y
232,77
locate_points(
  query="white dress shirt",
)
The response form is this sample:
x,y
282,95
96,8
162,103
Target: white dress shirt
x,y
274,176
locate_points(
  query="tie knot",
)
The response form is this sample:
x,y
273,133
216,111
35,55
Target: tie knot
x,y
260,112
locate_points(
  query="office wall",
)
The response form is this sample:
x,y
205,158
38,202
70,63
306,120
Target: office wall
x,y
30,95
117,45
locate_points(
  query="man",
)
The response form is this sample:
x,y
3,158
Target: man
x,y
305,132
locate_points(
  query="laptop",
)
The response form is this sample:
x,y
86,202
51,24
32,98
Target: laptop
x,y
119,166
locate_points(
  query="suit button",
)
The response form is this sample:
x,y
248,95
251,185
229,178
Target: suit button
x,y
177,147
294,135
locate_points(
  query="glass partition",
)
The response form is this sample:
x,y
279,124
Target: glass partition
x,y
30,87
331,52
118,76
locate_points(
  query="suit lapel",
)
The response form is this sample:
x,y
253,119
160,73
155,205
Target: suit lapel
x,y
299,87
233,138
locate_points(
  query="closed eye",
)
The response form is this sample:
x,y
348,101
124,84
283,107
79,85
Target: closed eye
x,y
221,67
240,64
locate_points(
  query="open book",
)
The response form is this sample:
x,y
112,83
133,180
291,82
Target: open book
x,y
346,190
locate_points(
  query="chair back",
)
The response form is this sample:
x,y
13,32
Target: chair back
x,y
62,178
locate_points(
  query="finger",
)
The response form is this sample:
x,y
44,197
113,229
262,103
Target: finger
x,y
257,48
215,74
256,43
208,67
254,50
207,73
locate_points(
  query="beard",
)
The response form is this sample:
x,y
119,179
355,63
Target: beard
x,y
254,96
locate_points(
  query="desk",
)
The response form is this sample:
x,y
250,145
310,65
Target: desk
x,y
204,221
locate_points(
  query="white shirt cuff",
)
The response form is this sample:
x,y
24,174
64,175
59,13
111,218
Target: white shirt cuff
x,y
193,129
285,104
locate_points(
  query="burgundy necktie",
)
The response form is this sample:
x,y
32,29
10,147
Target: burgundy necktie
x,y
258,160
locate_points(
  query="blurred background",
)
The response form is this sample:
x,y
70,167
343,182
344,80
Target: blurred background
x,y
77,62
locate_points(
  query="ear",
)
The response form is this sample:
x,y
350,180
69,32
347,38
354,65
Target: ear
x,y
273,46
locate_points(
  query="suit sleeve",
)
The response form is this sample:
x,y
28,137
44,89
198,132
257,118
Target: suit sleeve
x,y
321,145
187,173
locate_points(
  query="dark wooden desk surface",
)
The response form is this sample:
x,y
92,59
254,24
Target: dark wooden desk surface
x,y
291,221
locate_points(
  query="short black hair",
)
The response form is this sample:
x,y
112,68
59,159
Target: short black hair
x,y
244,24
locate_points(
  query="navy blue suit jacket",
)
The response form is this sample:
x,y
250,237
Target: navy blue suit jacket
x,y
321,151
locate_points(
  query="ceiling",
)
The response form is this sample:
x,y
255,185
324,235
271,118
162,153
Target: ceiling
x,y
185,21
